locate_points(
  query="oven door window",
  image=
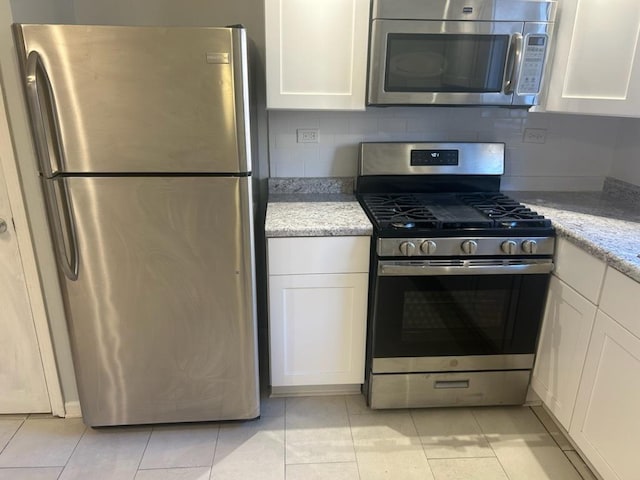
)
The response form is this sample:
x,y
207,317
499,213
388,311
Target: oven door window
x,y
465,63
457,315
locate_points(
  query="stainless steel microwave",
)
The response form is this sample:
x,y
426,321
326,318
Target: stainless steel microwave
x,y
459,52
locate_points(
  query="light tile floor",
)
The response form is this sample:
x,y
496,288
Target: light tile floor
x,y
305,438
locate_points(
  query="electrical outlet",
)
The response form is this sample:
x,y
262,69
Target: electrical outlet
x,y
535,135
308,135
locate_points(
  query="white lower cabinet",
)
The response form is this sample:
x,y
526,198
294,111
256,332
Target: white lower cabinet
x,y
566,328
317,310
562,349
605,422
587,368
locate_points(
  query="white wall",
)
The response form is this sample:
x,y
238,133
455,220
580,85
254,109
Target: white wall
x,y
42,11
577,154
626,161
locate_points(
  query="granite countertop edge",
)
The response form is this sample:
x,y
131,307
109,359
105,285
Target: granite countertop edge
x,y
327,216
605,227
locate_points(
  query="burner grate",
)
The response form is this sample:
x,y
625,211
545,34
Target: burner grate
x,y
404,211
504,211
450,211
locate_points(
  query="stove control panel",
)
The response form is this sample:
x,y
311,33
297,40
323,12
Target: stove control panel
x,y
455,246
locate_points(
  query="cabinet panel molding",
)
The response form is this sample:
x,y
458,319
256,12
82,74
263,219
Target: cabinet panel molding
x,y
316,54
605,423
577,268
562,349
596,66
317,329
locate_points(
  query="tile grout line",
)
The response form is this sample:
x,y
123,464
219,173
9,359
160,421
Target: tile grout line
x,y
564,452
146,445
215,450
14,434
75,447
413,422
506,474
353,443
284,446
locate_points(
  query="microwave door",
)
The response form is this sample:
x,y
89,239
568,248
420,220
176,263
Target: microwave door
x,y
442,62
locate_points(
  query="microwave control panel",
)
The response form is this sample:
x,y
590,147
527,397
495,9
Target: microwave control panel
x,y
535,50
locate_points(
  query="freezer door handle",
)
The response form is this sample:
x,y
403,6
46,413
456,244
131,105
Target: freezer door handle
x,y
44,116
49,146
63,226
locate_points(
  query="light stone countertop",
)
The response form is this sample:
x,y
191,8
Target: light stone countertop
x,y
327,218
314,207
605,226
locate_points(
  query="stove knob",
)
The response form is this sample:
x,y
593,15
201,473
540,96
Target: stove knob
x,y
530,246
469,247
407,248
428,247
509,247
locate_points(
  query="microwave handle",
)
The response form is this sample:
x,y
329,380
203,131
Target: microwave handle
x,y
513,63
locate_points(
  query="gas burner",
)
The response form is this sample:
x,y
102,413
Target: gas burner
x,y
403,224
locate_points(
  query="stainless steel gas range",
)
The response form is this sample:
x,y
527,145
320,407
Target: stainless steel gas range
x,y
459,276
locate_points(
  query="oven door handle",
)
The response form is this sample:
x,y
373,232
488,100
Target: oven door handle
x,y
391,269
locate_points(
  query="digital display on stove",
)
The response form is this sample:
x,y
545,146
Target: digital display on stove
x,y
422,158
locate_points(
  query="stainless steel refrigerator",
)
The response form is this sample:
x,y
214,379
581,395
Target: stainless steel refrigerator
x,y
143,140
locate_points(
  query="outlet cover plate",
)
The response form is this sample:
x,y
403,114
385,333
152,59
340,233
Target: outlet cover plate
x,y
308,135
535,135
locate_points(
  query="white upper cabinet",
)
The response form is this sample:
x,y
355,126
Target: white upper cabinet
x,y
596,68
316,54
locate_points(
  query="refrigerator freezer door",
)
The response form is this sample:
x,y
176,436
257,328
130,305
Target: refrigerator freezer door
x,y
139,99
161,316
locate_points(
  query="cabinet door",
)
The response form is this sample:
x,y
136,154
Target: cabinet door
x,y
566,329
316,54
317,329
606,423
575,267
596,69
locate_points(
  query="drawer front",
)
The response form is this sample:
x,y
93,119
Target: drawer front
x,y
621,300
305,255
583,272
448,389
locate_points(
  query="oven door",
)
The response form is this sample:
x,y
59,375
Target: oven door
x,y
444,62
457,311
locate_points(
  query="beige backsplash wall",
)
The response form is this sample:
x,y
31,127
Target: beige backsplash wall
x,y
578,152
626,159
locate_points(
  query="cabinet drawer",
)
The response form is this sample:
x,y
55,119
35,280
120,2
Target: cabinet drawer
x,y
304,255
621,300
582,271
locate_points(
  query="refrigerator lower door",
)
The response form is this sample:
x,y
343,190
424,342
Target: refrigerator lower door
x,y
162,314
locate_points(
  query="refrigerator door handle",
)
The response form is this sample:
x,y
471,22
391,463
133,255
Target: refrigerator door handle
x,y
48,141
64,231
44,122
